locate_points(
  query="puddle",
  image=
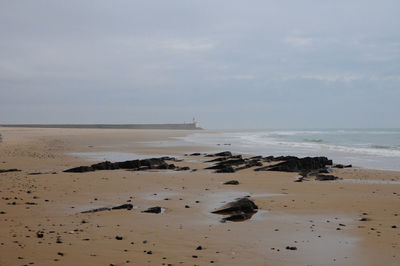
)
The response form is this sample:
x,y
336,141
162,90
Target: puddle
x,y
370,181
113,156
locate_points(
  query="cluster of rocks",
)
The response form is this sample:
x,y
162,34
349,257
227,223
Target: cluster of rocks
x,y
135,165
295,164
239,210
228,163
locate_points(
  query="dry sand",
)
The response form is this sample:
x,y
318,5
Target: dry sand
x,y
320,219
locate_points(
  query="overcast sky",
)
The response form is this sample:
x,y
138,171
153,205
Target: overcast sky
x,y
231,64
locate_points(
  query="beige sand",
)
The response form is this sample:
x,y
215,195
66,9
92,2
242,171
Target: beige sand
x,y
320,219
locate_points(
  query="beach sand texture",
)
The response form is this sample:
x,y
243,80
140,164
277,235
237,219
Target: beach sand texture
x,y
353,221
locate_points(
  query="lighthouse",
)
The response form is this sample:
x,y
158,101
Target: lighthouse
x,y
195,123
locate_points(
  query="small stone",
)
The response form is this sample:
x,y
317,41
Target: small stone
x,y
291,248
60,253
119,237
199,248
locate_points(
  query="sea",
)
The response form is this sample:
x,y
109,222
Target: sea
x,y
365,148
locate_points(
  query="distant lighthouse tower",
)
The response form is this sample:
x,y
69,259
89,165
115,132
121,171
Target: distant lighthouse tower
x,y
195,123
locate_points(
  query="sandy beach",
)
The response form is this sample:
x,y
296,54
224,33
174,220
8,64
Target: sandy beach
x,y
351,221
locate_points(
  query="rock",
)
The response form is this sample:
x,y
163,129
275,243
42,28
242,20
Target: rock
x,y
232,182
185,168
364,219
80,169
136,165
291,248
123,206
294,164
326,177
220,154
120,207
340,166
60,254
237,217
240,210
9,170
195,154
119,237
199,248
226,169
97,210
153,210
39,234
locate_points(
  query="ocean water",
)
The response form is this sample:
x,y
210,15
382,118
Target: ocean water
x,y
366,148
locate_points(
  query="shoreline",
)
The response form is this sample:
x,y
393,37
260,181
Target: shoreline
x,y
298,211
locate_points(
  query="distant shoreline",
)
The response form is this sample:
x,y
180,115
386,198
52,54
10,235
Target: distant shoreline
x,y
185,126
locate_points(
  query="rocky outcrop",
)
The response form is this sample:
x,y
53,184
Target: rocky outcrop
x,y
294,164
229,163
136,165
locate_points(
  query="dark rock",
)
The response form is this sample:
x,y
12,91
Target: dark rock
x,y
39,234
199,248
291,248
224,154
394,226
364,219
185,168
232,182
136,165
237,217
239,210
2,212
97,210
120,207
9,170
226,169
294,164
326,177
60,253
220,154
123,206
119,237
80,169
341,166
195,154
153,210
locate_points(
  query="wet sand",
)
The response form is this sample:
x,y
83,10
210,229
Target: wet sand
x,y
320,219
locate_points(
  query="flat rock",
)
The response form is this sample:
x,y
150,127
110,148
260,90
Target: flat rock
x,y
9,170
153,210
232,182
326,177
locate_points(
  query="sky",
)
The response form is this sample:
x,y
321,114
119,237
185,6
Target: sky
x,y
230,64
